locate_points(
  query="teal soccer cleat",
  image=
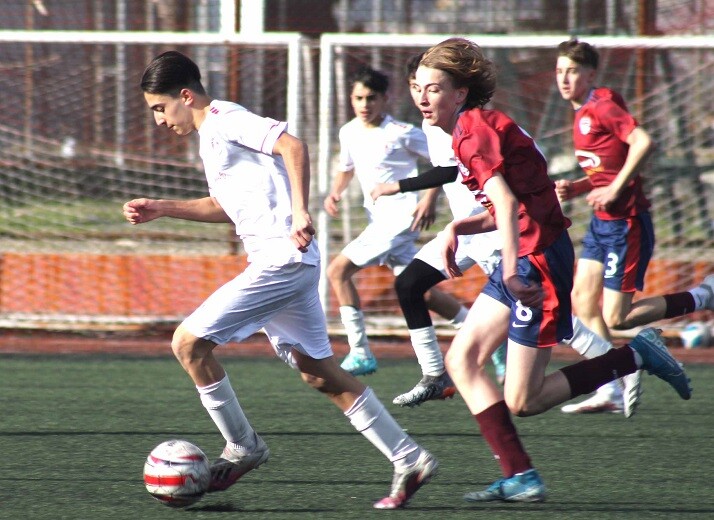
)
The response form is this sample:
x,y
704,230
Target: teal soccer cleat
x,y
358,365
521,487
657,360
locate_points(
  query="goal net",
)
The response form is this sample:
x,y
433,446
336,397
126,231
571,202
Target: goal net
x,y
76,141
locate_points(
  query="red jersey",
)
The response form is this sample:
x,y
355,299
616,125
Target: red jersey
x,y
600,132
486,142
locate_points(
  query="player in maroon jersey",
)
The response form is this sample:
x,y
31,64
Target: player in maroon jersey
x,y
612,148
527,297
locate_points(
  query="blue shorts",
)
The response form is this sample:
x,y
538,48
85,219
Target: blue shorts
x,y
552,270
624,247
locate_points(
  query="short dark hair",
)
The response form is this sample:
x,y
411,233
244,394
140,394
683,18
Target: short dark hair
x,y
372,79
169,73
581,53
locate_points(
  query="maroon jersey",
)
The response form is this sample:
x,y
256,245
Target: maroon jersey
x,y
600,132
487,142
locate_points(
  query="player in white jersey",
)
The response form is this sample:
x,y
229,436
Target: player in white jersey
x,y
428,269
377,148
258,179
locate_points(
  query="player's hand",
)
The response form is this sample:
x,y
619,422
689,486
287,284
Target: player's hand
x,y
564,189
601,198
139,211
448,253
528,295
383,189
302,231
424,215
330,204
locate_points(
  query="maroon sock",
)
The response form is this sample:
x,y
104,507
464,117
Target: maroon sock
x,y
588,375
500,433
678,304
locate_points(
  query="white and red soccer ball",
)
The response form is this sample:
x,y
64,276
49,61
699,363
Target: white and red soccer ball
x,y
696,334
177,473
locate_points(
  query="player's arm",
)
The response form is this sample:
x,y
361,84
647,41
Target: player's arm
x,y
641,147
425,212
567,189
480,223
206,209
506,212
339,185
297,163
433,178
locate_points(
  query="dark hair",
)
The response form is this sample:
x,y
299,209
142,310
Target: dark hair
x,y
372,79
413,65
170,72
581,53
467,66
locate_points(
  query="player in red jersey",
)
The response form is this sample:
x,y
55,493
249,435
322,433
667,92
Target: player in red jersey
x,y
527,298
612,148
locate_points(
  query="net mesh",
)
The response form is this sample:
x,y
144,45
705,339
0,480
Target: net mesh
x,y
76,141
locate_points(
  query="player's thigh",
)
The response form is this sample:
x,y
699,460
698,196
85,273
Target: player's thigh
x,y
377,245
483,330
342,267
587,284
301,323
616,305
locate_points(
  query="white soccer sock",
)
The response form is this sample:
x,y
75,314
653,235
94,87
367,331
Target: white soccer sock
x,y
701,297
427,350
460,317
353,321
587,342
369,417
222,405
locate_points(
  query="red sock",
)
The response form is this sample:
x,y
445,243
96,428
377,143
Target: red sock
x,y
588,375
500,433
678,304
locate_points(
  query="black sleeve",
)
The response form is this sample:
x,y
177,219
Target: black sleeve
x,y
437,176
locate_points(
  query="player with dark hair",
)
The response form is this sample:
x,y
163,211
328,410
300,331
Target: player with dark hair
x,y
527,297
377,148
258,178
612,148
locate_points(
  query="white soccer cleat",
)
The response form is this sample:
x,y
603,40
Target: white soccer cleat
x,y
708,285
598,403
405,484
233,464
631,392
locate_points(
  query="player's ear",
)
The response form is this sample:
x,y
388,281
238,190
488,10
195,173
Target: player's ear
x,y
461,95
186,96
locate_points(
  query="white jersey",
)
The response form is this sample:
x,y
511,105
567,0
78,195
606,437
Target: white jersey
x,y
387,153
250,183
461,201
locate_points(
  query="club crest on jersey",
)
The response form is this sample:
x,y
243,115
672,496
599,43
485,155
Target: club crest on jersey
x,y
584,125
587,160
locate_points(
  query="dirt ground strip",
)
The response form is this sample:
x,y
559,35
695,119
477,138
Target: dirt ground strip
x,y
35,342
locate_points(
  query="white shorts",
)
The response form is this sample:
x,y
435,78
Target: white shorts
x,y
376,246
282,300
471,251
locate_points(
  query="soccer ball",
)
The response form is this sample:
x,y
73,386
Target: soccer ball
x,y
177,473
695,335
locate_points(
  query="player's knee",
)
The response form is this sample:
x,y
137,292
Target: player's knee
x,y
616,321
185,346
519,406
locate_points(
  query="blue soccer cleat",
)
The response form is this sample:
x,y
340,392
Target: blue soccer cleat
x,y
657,360
358,365
521,487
